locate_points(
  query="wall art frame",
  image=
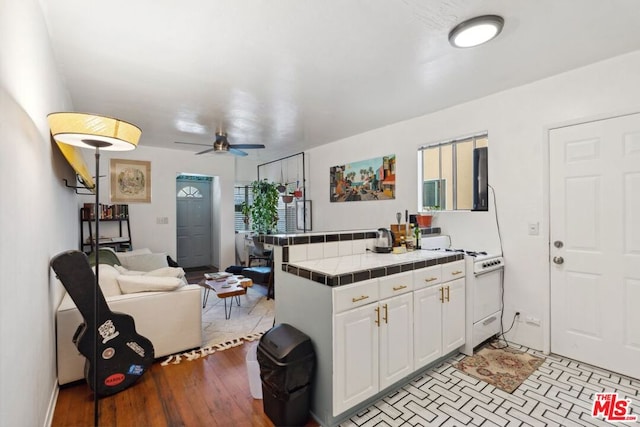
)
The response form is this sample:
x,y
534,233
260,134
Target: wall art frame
x,y
363,180
303,215
130,181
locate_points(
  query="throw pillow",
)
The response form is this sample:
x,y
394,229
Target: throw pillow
x,y
107,276
145,262
160,272
134,284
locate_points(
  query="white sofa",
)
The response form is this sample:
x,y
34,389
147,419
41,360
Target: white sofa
x,y
170,319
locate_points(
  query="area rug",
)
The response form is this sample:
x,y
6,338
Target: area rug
x,y
248,322
504,368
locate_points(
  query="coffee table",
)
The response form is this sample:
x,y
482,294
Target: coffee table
x,y
229,287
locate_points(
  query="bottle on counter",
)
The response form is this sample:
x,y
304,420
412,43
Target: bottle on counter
x,y
417,233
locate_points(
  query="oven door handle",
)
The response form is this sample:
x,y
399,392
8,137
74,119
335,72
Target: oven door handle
x,y
482,273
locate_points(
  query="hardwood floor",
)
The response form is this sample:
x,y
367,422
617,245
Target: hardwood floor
x,y
213,391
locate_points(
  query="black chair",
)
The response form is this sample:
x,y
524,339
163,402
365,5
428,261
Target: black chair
x,y
258,252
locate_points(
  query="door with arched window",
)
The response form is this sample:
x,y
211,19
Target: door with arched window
x,y
193,220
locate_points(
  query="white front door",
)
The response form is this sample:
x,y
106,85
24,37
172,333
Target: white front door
x,y
595,243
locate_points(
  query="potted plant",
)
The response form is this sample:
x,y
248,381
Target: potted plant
x,y
264,210
426,216
246,212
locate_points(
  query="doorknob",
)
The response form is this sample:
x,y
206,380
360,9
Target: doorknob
x,y
558,259
558,244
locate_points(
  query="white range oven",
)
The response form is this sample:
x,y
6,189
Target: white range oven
x,y
484,289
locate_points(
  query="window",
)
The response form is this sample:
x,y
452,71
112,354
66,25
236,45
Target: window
x,y
241,194
446,173
189,191
286,212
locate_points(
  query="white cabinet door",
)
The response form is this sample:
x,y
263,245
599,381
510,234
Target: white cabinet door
x,y
355,357
427,326
453,315
396,339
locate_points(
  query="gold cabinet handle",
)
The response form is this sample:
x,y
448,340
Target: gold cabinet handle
x,y
359,298
399,288
430,279
442,295
455,273
386,314
377,321
447,294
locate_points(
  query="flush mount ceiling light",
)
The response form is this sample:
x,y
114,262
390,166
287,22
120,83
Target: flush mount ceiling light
x,y
476,31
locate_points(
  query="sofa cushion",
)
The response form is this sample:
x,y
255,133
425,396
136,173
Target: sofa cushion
x,y
133,284
107,276
144,262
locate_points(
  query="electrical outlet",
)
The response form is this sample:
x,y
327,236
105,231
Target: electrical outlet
x,y
162,220
534,228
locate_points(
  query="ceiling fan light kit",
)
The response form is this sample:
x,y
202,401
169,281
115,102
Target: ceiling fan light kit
x,y
476,31
221,146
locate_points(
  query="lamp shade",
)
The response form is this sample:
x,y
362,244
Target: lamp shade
x,y
91,131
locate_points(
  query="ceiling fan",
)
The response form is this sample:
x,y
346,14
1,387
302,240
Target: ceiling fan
x,y
221,145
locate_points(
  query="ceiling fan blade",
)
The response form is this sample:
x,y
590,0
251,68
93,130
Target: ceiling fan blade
x,y
205,151
192,143
238,152
246,146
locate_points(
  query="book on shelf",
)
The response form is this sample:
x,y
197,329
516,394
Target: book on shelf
x,y
106,211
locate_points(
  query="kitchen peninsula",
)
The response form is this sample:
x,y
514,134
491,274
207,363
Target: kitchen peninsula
x,y
375,320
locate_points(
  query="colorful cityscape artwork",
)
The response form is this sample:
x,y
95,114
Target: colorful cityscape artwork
x,y
373,179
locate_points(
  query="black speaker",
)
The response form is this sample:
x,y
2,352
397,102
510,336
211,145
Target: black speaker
x,y
480,179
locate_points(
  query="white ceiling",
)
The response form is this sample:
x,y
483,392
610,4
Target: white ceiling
x,y
294,74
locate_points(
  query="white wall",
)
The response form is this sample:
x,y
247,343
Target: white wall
x,y
38,216
166,165
517,121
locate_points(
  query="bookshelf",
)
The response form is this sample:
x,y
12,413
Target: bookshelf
x,y
114,214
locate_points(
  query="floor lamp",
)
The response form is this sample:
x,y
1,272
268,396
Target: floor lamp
x,y
97,133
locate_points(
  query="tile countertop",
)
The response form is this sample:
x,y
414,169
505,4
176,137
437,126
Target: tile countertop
x,y
371,261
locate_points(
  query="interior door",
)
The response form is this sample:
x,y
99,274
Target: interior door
x,y
193,223
595,243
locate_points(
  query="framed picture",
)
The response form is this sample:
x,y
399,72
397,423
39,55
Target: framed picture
x,y
130,181
303,215
372,179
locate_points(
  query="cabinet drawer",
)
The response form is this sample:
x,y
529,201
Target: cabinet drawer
x,y
396,284
355,295
425,277
452,270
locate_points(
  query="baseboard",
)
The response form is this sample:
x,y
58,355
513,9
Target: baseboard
x,y
52,405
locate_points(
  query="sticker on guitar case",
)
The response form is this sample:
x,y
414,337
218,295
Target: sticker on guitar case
x,y
136,370
108,331
136,347
108,353
114,380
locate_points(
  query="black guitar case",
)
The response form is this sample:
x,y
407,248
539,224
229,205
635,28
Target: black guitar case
x,y
122,354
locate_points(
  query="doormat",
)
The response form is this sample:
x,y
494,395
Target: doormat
x,y
504,368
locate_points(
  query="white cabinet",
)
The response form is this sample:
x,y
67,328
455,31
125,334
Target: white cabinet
x,y
355,356
373,345
453,315
396,339
428,325
439,312
385,329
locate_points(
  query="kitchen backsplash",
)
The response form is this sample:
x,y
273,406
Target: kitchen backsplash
x,y
303,247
